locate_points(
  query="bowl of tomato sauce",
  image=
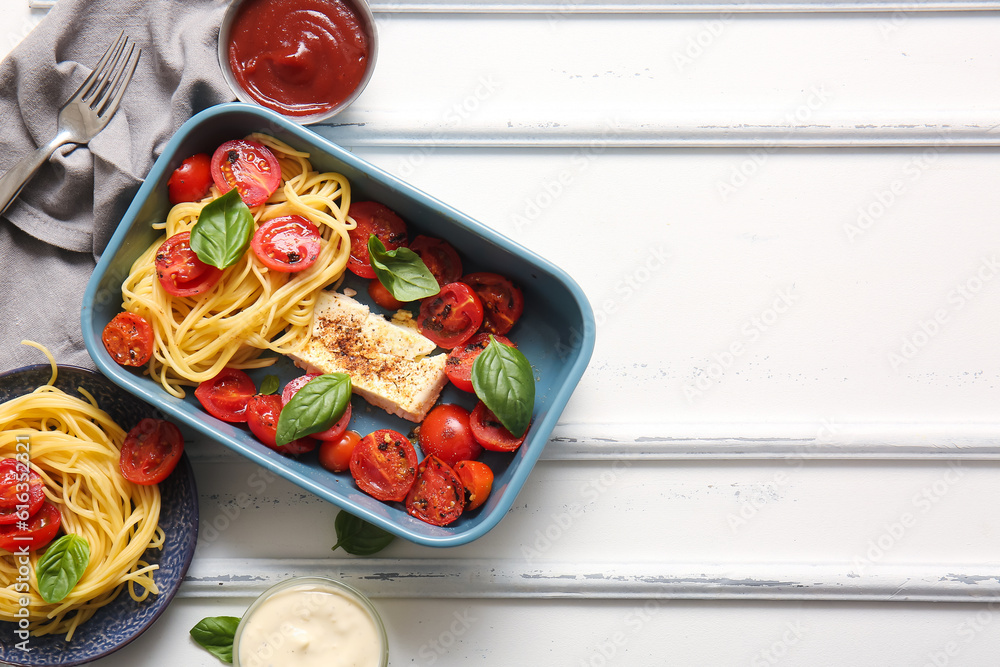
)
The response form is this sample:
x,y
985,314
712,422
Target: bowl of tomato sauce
x,y
305,59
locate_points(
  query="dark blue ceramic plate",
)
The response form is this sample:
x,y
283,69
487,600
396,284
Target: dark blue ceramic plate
x,y
118,623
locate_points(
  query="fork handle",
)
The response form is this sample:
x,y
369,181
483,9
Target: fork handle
x,y
18,176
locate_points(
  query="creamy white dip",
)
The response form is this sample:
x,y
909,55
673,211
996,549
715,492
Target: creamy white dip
x,y
309,625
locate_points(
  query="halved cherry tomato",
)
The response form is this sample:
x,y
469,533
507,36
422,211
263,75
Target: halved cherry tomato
x,y
458,366
382,296
336,431
452,316
490,433
335,455
151,451
192,180
440,257
477,478
180,271
293,386
288,244
226,395
262,418
22,491
377,219
502,300
446,434
248,166
437,496
41,529
128,338
384,465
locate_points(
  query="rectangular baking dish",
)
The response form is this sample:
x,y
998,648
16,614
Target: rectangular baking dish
x,y
556,331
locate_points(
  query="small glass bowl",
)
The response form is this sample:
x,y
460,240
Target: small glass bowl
x,y
363,12
334,587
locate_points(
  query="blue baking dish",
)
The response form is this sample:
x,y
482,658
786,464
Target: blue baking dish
x,y
556,331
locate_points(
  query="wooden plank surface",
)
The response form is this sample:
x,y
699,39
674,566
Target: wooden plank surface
x,y
575,130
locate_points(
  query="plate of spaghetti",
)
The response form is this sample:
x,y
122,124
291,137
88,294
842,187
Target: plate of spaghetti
x,y
69,424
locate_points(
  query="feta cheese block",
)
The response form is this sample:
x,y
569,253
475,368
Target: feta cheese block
x,y
390,365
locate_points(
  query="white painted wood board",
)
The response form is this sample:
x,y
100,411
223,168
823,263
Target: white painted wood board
x,y
712,186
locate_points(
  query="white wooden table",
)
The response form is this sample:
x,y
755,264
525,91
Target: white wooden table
x,y
785,448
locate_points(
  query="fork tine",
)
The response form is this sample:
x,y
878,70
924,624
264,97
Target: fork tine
x,y
101,87
116,88
92,78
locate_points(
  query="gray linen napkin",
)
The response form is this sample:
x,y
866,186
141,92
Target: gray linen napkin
x,y
53,233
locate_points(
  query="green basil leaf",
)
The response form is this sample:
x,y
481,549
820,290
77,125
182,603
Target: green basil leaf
x,y
61,567
314,407
215,634
358,537
222,233
401,271
502,378
269,384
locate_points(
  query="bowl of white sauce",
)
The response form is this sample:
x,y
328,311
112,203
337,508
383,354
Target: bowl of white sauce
x,y
311,622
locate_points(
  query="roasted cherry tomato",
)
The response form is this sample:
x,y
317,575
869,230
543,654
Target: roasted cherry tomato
x,y
334,432
440,257
452,316
180,271
287,244
128,338
377,219
338,429
293,386
41,529
437,495
382,296
248,166
335,455
490,433
446,434
502,300
151,451
192,180
262,418
477,478
22,491
460,359
226,395
384,465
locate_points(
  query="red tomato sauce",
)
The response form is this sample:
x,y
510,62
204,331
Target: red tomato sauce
x,y
298,57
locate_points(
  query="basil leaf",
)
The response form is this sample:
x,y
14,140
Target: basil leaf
x,y
61,567
401,271
502,378
269,384
215,634
358,537
222,233
314,407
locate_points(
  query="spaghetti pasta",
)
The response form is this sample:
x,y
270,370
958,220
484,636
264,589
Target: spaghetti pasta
x,y
75,447
251,309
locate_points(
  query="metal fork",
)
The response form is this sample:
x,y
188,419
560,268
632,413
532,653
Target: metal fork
x,y
86,114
